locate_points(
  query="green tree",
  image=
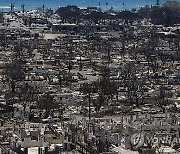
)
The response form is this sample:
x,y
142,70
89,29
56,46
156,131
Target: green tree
x,y
167,15
14,72
27,93
47,103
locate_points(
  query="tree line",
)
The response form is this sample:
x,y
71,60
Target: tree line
x,y
168,14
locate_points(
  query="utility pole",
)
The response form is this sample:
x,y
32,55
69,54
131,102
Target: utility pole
x,y
43,8
23,8
157,3
12,7
112,7
99,6
123,6
106,6
89,100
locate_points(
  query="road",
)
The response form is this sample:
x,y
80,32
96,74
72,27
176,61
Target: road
x,y
13,22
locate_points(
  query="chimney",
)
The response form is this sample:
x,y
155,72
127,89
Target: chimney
x,y
25,150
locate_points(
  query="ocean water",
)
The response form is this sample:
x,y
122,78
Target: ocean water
x,y
54,4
